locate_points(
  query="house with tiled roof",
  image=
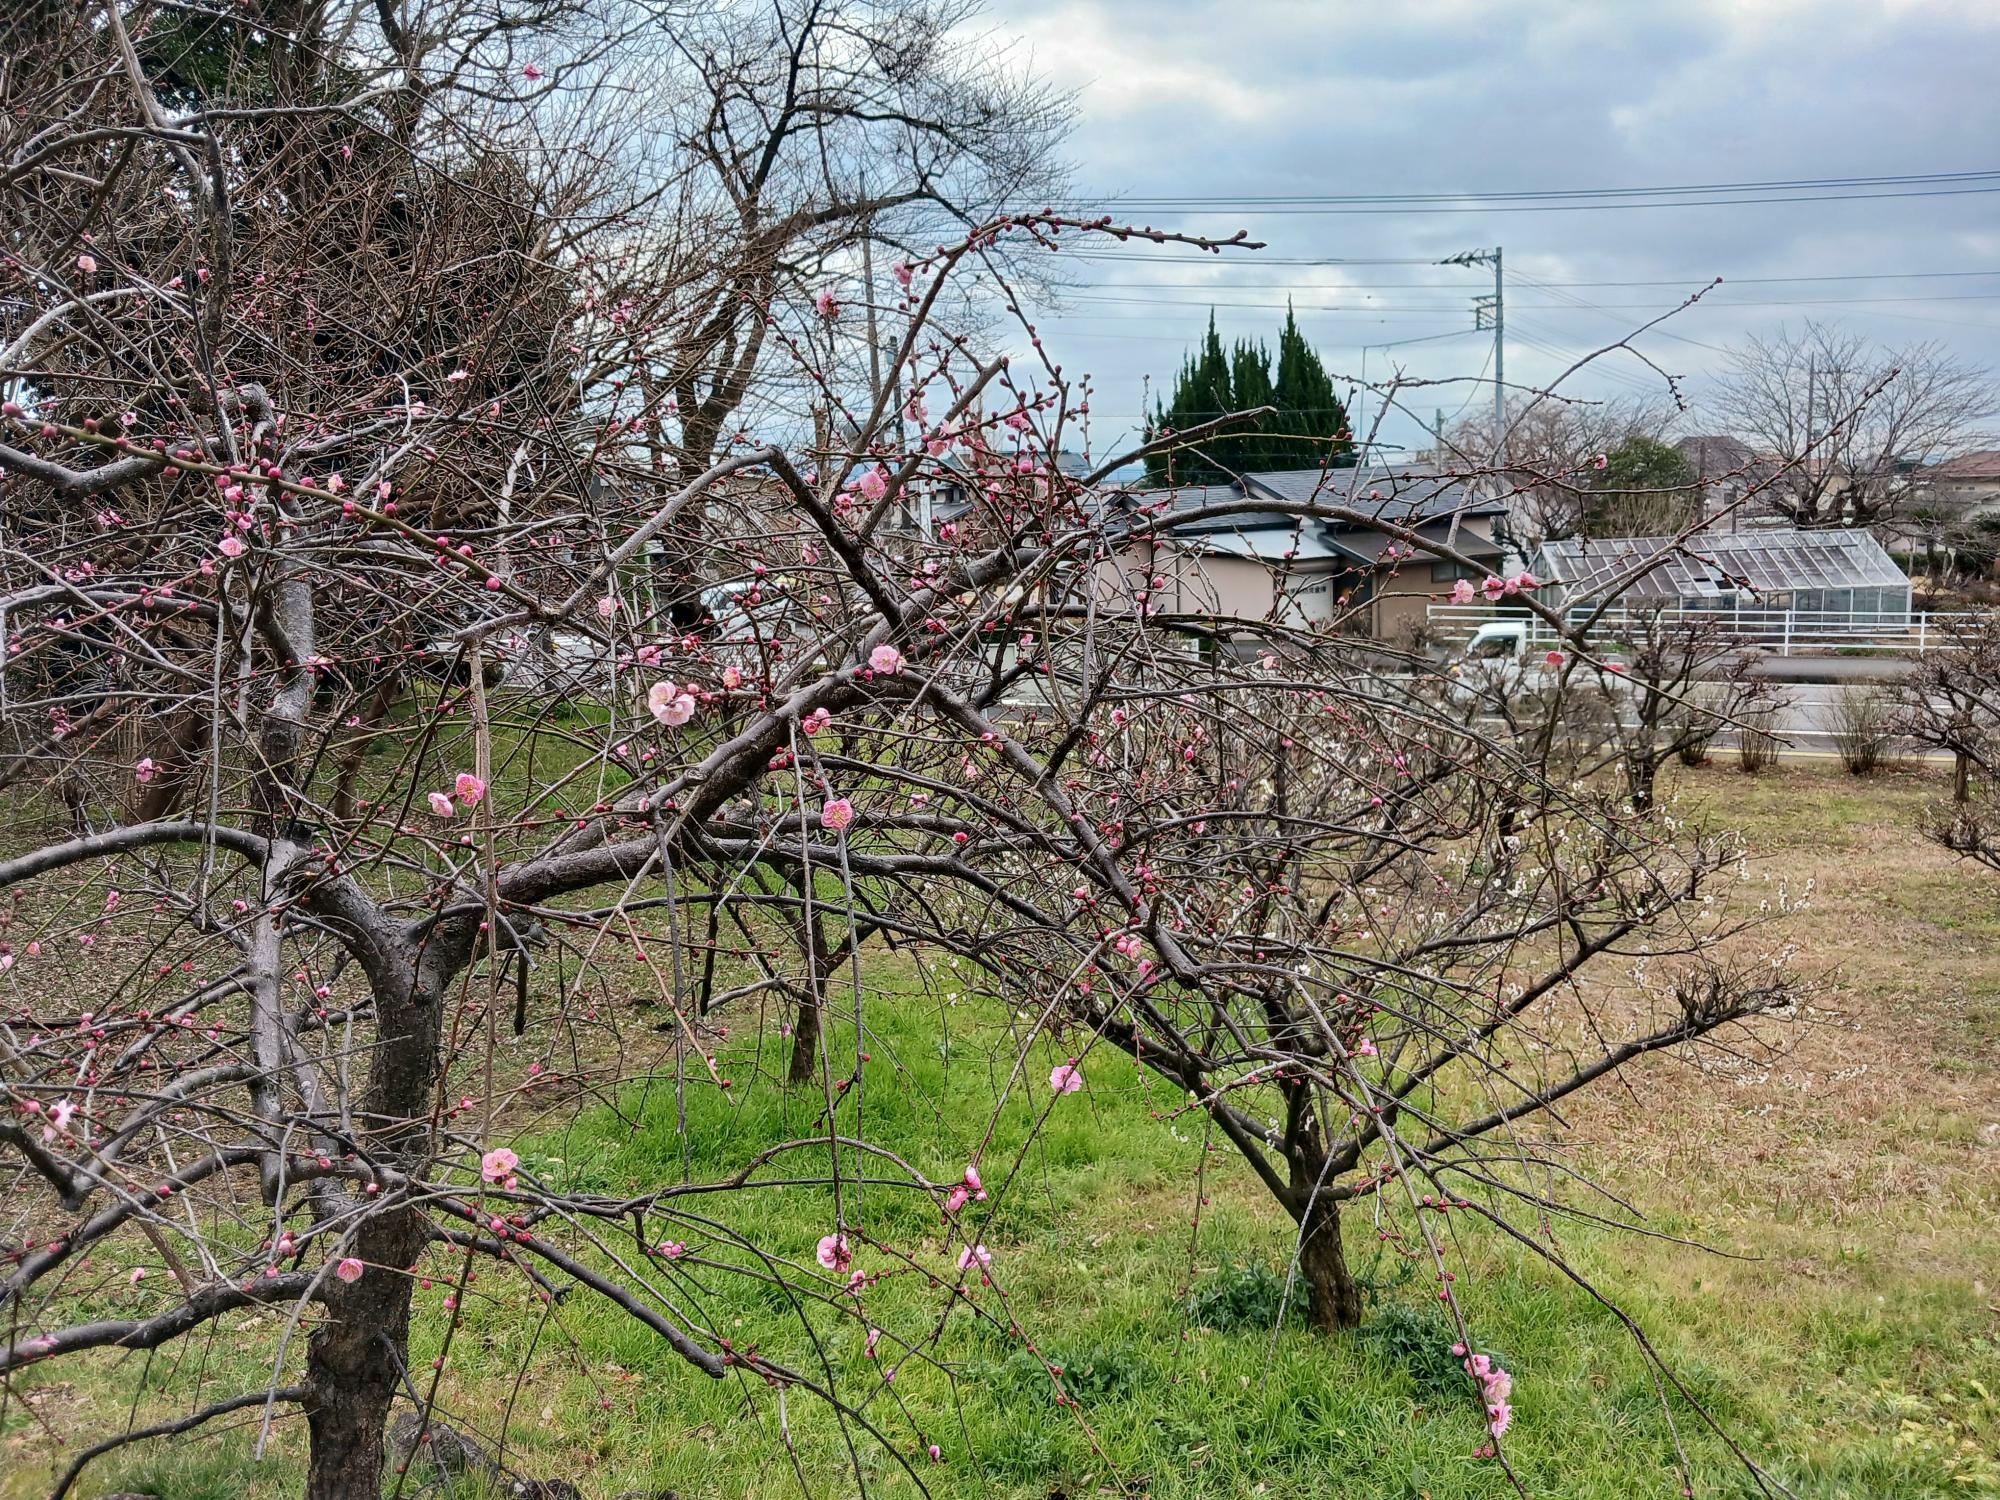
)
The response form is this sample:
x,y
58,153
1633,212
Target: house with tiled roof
x,y
1969,479
1304,547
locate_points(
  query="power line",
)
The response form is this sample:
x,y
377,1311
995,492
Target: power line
x,y
1689,187
1575,208
1775,190
1365,307
1690,281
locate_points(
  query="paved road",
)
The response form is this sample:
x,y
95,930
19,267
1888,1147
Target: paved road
x,y
1880,667
1805,722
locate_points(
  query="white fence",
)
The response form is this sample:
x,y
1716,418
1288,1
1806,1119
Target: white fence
x,y
1788,632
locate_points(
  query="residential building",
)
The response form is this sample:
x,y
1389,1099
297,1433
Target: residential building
x,y
1727,469
1265,548
1968,484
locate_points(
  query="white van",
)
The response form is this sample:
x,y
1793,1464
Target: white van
x,y
1506,658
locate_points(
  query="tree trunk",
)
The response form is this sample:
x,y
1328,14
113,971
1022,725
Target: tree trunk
x,y
1641,772
805,1040
358,1357
811,929
1333,1295
353,1371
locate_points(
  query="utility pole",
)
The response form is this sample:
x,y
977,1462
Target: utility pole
x,y
1492,312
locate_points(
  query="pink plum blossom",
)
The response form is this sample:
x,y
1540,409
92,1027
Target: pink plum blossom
x,y
837,814
669,704
826,304
60,1114
886,659
1496,1389
835,1253
1066,1078
441,804
1462,591
231,546
498,1164
974,1255
145,771
349,1270
469,789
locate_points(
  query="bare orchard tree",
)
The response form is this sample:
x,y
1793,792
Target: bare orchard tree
x,y
1952,702
294,461
1670,684
1848,423
1553,448
812,151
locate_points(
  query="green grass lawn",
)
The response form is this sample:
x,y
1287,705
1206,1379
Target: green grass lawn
x,y
1849,1339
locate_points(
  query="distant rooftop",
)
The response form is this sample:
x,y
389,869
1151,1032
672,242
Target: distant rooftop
x,y
1984,464
1713,454
1399,496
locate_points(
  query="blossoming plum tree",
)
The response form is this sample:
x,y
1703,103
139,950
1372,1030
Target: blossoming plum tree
x,y
334,624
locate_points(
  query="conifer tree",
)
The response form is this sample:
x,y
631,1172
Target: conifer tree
x,y
1305,428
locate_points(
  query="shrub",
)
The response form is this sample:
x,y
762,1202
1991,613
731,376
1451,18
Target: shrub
x,y
1700,722
1863,726
1756,739
1098,1372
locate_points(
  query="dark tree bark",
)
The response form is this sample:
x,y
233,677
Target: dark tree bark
x,y
805,1039
354,1362
1333,1296
353,1375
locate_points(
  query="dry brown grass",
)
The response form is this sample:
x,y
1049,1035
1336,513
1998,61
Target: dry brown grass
x,y
1882,1112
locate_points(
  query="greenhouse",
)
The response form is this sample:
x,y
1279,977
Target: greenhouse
x,y
1836,579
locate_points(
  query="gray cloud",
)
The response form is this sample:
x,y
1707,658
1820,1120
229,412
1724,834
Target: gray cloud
x,y
1271,97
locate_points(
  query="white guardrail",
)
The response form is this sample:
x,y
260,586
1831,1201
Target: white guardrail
x,y
1787,632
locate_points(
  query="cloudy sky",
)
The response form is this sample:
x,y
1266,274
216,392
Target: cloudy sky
x,y
1228,100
